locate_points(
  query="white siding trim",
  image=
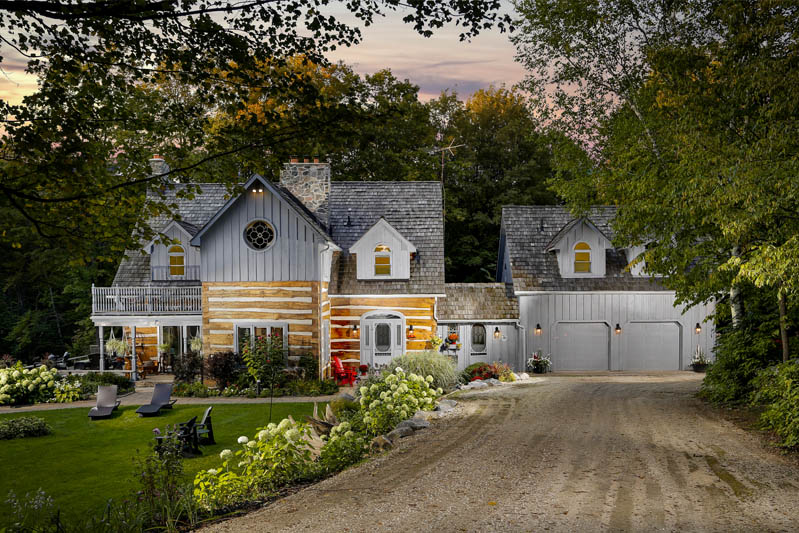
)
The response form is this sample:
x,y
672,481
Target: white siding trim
x,y
221,332
345,340
251,288
375,308
222,346
296,321
387,295
302,299
303,333
260,310
535,293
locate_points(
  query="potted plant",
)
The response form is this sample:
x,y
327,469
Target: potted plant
x,y
452,338
538,364
436,342
699,361
364,369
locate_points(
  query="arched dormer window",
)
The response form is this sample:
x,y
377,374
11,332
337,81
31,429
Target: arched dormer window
x,y
177,260
382,260
582,258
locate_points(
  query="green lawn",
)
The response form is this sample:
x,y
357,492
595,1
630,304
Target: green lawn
x,y
83,463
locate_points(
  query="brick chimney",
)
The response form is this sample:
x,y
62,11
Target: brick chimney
x,y
310,183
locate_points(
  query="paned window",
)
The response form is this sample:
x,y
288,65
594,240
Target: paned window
x,y
382,337
259,235
382,260
582,257
177,260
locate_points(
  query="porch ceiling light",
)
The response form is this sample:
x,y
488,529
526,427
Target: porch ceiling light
x,y
618,329
497,333
538,329
698,328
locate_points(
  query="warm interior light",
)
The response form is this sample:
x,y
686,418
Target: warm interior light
x,y
698,328
497,333
538,329
618,329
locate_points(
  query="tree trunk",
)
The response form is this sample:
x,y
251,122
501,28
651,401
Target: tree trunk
x,y
736,301
783,327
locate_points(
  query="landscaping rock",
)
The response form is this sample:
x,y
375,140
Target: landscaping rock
x,y
444,406
344,396
399,432
414,423
493,382
524,375
425,415
380,444
476,385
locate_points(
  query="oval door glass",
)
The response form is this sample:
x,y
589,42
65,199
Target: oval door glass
x,y
382,337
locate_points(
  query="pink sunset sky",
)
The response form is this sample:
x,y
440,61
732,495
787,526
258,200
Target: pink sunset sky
x,y
434,64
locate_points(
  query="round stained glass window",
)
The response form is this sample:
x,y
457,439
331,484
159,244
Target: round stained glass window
x,y
259,235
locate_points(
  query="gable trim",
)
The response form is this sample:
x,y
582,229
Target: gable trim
x,y
382,221
148,247
555,242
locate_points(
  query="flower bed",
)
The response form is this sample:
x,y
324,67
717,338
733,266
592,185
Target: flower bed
x,y
20,385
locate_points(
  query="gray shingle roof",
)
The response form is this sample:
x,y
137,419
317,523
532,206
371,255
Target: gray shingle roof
x,y
414,208
528,230
478,301
134,270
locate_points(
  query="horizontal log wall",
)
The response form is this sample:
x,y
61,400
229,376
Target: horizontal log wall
x,y
345,312
146,344
293,302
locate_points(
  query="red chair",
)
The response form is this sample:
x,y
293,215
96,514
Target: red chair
x,y
343,375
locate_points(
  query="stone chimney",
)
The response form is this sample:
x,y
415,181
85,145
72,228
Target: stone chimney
x,y
158,165
309,181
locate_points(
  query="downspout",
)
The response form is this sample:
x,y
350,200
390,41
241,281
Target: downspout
x,y
321,324
524,344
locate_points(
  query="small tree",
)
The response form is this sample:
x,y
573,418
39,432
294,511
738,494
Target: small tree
x,y
264,358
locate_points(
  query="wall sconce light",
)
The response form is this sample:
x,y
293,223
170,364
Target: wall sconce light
x,y
497,333
410,328
618,329
698,328
538,329
355,328
411,334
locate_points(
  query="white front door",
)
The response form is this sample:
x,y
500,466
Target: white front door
x,y
382,339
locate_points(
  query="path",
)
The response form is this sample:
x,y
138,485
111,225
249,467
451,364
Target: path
x,y
570,453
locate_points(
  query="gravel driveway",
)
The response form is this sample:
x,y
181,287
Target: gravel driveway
x,y
568,453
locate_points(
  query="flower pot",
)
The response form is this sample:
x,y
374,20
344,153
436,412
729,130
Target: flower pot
x,y
699,367
539,370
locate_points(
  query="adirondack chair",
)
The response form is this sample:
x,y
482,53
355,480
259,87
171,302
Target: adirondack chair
x,y
204,428
186,435
343,375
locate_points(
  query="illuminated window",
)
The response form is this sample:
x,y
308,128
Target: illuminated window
x,y
582,257
177,260
382,260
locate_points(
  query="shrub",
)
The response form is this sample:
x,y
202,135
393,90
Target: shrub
x,y
740,354
20,385
195,390
481,371
90,382
775,387
310,366
344,447
26,426
165,496
67,391
397,397
223,367
429,363
186,367
344,408
264,359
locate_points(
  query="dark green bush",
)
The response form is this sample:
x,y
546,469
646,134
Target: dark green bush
x,y
26,426
740,355
193,390
429,363
310,366
89,382
186,367
777,389
224,368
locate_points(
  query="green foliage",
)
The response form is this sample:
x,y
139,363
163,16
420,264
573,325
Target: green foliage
x,y
740,355
429,363
264,357
19,385
66,391
344,448
186,367
194,390
344,408
777,388
395,398
26,426
92,380
223,367
309,366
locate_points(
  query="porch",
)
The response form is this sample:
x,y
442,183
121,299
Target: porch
x,y
146,300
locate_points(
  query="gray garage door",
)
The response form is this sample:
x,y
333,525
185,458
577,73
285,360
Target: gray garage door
x,y
651,346
581,346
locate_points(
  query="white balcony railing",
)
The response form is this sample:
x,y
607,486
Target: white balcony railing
x,y
146,300
164,273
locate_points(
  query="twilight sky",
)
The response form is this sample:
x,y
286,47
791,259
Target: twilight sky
x,y
436,63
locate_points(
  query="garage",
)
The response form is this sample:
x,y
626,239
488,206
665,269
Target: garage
x,y
581,346
651,346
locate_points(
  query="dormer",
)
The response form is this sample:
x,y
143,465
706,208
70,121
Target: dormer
x,y
175,259
580,249
383,253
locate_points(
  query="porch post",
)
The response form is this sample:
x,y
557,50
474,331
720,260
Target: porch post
x,y
102,349
184,334
133,374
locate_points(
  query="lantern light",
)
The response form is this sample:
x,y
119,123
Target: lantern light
x,y
698,328
497,333
538,329
618,329
410,328
355,328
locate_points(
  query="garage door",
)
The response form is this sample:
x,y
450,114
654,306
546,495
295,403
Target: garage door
x,y
581,346
651,346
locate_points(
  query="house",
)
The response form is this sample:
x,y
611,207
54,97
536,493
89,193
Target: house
x,y
581,302
346,268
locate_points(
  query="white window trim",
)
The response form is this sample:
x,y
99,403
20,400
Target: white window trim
x,y
389,254
484,351
260,324
170,255
590,252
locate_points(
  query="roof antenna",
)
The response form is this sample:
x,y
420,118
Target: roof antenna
x,y
540,225
348,221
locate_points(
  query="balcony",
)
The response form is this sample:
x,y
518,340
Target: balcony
x,y
163,273
146,300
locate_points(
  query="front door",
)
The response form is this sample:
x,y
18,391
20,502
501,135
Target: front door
x,y
383,339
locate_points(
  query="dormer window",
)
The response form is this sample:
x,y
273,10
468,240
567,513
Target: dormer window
x,y
177,260
582,258
382,260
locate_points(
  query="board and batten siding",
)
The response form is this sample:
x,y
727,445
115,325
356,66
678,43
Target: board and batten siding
x,y
160,256
295,303
364,250
506,349
611,308
346,312
582,232
294,256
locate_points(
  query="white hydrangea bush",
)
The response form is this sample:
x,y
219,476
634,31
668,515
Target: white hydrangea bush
x,y
20,385
397,397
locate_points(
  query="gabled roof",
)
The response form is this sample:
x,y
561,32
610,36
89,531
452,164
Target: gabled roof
x,y
413,208
528,232
187,228
377,226
280,192
554,244
470,302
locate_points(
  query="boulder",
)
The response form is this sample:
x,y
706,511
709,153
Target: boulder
x,y
344,396
444,406
424,415
524,375
414,423
450,403
493,382
476,385
380,444
398,433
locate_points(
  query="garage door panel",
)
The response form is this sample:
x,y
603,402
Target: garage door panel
x,y
581,346
651,346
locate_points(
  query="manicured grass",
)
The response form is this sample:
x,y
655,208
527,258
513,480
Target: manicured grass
x,y
84,463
